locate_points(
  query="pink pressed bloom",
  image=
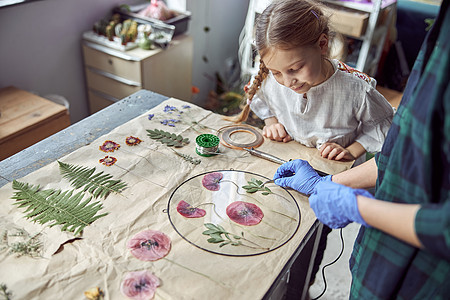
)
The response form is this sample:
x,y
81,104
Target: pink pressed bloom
x,y
139,285
244,213
188,211
211,181
131,141
109,146
108,160
149,245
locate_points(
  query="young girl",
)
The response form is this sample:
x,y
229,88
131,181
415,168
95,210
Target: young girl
x,y
302,95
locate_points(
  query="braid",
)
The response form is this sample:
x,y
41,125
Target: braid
x,y
250,93
259,78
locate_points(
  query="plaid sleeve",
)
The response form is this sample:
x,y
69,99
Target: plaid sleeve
x,y
433,228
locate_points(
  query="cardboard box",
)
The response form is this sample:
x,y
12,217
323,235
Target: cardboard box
x,y
348,22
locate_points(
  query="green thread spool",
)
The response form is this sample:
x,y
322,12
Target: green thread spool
x,y
207,145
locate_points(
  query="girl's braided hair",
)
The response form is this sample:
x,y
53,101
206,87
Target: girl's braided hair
x,y
284,24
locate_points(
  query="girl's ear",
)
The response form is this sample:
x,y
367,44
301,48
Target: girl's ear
x,y
323,44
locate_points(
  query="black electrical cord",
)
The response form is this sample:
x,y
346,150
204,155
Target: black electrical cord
x,y
329,264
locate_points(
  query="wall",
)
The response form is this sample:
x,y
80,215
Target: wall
x,y
40,49
40,44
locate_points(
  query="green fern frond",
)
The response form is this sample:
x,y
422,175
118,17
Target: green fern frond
x,y
56,207
99,184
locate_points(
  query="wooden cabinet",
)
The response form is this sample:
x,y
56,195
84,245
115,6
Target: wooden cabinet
x,y
26,119
112,74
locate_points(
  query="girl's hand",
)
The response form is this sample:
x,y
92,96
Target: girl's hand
x,y
276,132
335,151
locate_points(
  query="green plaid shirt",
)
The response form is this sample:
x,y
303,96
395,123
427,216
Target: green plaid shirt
x,y
414,167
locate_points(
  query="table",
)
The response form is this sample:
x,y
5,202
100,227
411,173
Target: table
x,y
100,258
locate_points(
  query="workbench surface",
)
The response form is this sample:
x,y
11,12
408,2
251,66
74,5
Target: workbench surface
x,y
159,183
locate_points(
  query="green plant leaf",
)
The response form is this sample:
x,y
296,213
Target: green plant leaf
x,y
56,207
99,184
170,139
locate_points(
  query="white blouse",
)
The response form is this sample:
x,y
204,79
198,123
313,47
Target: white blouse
x,y
343,109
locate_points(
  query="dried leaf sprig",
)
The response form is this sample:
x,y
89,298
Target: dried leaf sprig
x,y
4,293
170,139
30,245
187,158
255,185
217,234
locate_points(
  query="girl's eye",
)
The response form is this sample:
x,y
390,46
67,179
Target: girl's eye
x,y
276,73
295,70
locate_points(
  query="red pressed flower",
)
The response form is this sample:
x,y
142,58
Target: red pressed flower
x,y
211,181
244,213
109,146
131,141
108,160
149,245
140,285
188,211
195,90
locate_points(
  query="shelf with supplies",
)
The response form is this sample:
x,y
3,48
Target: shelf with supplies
x,y
367,22
364,25
112,74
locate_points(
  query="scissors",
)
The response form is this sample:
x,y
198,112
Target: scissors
x,y
274,159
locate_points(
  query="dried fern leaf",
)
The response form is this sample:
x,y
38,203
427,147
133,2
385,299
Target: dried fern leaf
x,y
56,207
170,139
99,184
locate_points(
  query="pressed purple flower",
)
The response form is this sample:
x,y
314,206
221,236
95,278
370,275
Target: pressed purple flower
x,y
169,109
244,213
211,181
150,116
132,141
140,285
186,106
149,245
188,211
108,160
109,146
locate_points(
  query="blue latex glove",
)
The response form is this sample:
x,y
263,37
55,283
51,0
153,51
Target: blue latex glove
x,y
335,205
299,175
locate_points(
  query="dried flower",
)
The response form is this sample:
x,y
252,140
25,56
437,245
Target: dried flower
x,y
109,146
108,160
244,213
150,116
131,141
188,211
139,285
149,245
211,181
95,293
169,109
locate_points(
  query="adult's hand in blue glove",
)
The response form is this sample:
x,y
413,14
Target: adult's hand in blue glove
x,y
335,205
299,175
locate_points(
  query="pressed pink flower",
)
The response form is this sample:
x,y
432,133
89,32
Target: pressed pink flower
x,y
140,285
149,245
188,211
108,160
109,146
211,181
244,213
131,141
